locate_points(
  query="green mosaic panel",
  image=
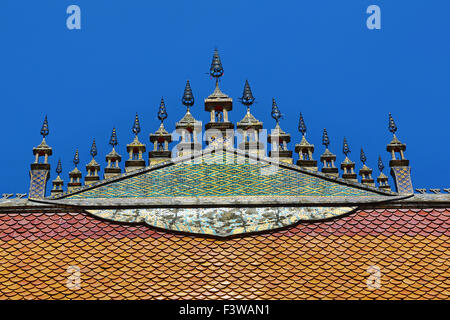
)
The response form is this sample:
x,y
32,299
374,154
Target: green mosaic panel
x,y
221,175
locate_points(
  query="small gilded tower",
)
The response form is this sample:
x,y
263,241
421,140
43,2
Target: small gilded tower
x,y
40,171
74,175
219,130
160,139
347,165
188,127
400,169
249,126
113,158
382,178
305,149
327,158
92,167
278,139
365,172
135,149
58,182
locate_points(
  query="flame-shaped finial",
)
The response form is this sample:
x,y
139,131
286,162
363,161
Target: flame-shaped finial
x,y
380,164
76,158
247,98
325,139
392,126
59,167
363,157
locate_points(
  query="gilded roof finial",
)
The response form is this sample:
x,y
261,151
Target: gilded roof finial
x,y
44,129
302,125
113,141
76,159
136,126
188,97
276,114
59,167
380,164
325,139
162,113
93,149
363,157
247,98
345,147
392,126
216,69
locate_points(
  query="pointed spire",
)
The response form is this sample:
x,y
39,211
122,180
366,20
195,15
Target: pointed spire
x,y
162,113
363,157
216,69
345,147
59,167
276,114
113,141
380,164
247,98
44,129
301,125
76,158
93,149
188,97
392,126
136,126
325,139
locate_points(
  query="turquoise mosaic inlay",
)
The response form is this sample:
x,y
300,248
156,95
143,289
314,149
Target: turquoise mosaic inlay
x,y
221,174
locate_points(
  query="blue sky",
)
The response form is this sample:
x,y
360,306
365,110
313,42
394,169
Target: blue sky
x,y
314,57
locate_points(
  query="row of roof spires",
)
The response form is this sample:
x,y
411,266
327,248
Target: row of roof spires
x,y
222,103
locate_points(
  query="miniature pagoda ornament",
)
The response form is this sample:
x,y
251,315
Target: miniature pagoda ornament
x,y
365,172
75,174
249,126
92,167
219,130
278,139
382,178
188,127
347,165
135,149
113,158
58,182
305,149
327,158
400,169
40,170
160,139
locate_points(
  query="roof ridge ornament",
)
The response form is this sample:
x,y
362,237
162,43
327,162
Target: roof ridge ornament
x,y
162,113
345,147
302,125
188,97
392,126
363,157
247,98
136,126
113,140
44,130
276,114
76,158
59,167
325,139
380,164
216,69
93,149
